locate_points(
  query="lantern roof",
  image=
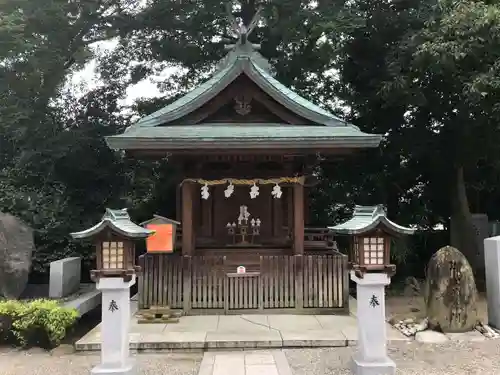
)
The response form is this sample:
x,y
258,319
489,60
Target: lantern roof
x,y
367,218
157,219
117,221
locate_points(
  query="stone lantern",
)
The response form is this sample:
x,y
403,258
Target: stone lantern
x,y
114,238
371,234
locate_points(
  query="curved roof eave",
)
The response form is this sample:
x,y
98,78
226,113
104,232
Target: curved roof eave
x,y
275,89
394,227
193,99
223,77
106,223
380,219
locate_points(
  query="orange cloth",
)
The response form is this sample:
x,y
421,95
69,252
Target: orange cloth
x,y
162,240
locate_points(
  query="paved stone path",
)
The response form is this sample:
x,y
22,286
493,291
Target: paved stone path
x,y
245,363
241,331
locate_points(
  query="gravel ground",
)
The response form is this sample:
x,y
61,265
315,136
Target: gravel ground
x,y
454,358
38,362
411,358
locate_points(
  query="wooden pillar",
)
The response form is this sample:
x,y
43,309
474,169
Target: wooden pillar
x,y
178,204
289,211
299,281
277,214
187,219
307,202
186,297
298,219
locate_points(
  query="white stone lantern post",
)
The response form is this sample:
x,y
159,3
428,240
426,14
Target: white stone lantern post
x,y
371,233
115,273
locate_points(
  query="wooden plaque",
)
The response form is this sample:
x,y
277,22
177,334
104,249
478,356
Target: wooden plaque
x,y
162,241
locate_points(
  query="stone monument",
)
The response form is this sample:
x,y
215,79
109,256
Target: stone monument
x,y
450,292
16,248
492,271
65,277
371,233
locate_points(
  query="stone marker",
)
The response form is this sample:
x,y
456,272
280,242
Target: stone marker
x,y
65,275
16,247
450,292
492,271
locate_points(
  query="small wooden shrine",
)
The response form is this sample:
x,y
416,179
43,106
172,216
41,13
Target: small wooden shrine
x,y
247,147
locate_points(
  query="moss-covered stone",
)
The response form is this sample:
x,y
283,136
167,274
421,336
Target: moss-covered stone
x,y
450,292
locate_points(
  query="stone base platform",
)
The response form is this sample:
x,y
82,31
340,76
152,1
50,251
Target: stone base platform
x,y
85,299
241,332
85,302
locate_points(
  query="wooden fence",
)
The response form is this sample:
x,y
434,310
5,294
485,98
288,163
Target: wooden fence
x,y
209,285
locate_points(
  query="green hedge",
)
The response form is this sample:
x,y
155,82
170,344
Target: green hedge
x,y
39,322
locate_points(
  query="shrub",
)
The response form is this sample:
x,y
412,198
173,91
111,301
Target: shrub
x,y
38,322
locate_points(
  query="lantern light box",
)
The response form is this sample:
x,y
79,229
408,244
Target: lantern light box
x,y
371,234
114,239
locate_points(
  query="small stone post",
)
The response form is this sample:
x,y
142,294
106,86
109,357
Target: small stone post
x,y
115,327
371,357
492,271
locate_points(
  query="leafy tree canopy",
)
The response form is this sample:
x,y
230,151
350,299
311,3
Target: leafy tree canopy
x,y
423,73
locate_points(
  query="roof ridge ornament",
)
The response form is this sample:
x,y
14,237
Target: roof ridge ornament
x,y
240,30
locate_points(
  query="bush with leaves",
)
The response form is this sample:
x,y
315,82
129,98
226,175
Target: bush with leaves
x,y
39,322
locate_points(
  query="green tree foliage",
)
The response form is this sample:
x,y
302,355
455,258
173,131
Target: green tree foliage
x,y
55,169
448,74
423,73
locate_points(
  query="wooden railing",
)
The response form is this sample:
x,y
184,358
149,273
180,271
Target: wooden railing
x,y
242,291
314,238
318,239
198,285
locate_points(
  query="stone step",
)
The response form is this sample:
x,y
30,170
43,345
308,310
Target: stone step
x,y
157,315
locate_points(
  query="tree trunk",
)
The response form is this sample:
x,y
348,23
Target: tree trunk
x,y
463,233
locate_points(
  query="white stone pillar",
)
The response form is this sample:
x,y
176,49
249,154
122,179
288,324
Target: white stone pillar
x,y
492,272
371,356
115,326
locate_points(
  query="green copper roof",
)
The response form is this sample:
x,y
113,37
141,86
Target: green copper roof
x,y
117,221
193,99
242,60
367,218
290,99
322,129
250,136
